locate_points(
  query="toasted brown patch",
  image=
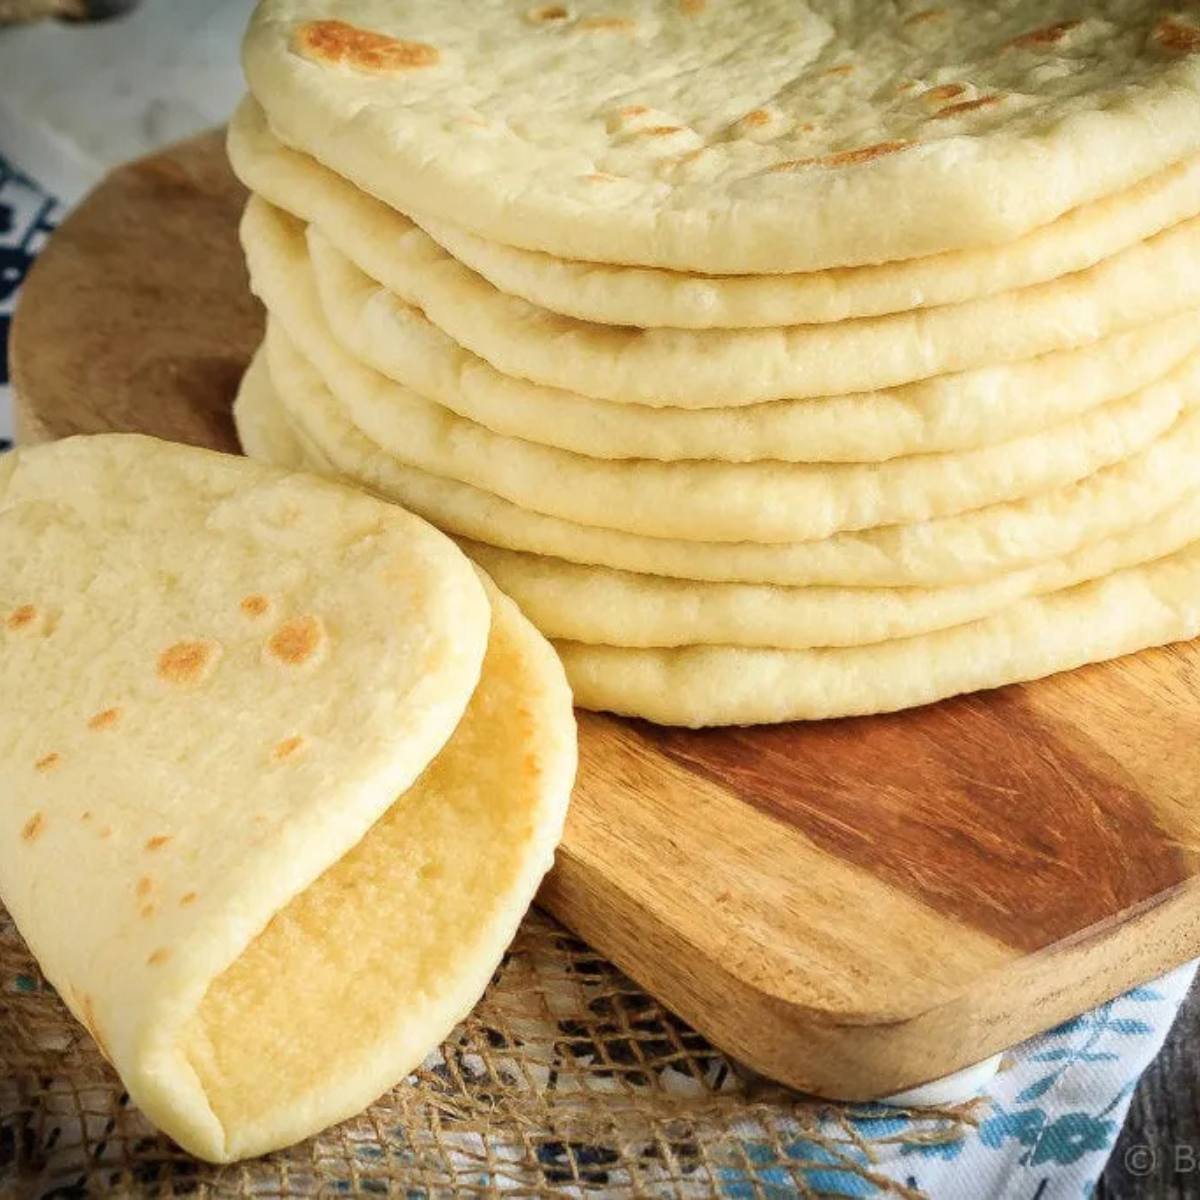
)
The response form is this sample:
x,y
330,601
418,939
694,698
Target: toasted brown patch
x,y
544,13
660,130
844,158
144,886
632,110
1177,37
966,106
337,43
32,829
48,762
157,842
86,816
600,177
926,14
147,911
105,719
106,832
255,605
186,899
944,91
158,957
298,640
188,662
1047,35
840,69
690,8
287,747
20,617
756,117
608,24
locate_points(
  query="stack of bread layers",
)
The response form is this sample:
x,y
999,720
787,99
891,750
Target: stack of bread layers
x,y
781,360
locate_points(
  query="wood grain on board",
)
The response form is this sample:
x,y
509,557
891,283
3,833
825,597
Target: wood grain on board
x,y
852,906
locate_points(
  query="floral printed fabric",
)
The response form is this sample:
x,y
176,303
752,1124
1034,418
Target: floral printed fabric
x,y
1045,1125
1043,1128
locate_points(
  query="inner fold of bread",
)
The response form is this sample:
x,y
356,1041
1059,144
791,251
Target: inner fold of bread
x,y
375,962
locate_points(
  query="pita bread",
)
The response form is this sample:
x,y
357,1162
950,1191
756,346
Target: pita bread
x,y
368,231
1149,281
740,137
961,549
1149,605
622,608
764,502
216,683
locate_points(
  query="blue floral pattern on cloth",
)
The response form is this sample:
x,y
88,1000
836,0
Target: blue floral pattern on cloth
x,y
1042,1129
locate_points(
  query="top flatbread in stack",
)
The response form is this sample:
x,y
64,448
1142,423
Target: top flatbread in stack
x,y
728,136
802,347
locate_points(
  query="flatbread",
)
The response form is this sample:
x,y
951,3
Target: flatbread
x,y
733,136
960,549
948,412
368,231
622,608
217,679
604,607
1149,605
763,501
1149,281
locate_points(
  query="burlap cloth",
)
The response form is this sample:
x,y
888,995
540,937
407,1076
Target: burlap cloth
x,y
566,1079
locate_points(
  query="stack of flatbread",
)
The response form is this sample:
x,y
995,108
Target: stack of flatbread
x,y
781,360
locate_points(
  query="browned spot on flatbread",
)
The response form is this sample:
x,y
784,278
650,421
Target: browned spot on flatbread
x,y
157,842
144,886
255,605
188,662
287,747
158,957
844,158
944,91
966,106
547,13
925,15
20,617
607,24
978,807
105,719
298,640
690,8
1177,37
338,43
600,177
32,829
660,130
48,762
632,110
147,911
756,118
86,816
186,899
106,832
1047,35
840,69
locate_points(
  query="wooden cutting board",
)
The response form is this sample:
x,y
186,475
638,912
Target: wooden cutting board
x,y
852,906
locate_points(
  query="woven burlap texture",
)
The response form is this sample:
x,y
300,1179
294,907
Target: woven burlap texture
x,y
567,1079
